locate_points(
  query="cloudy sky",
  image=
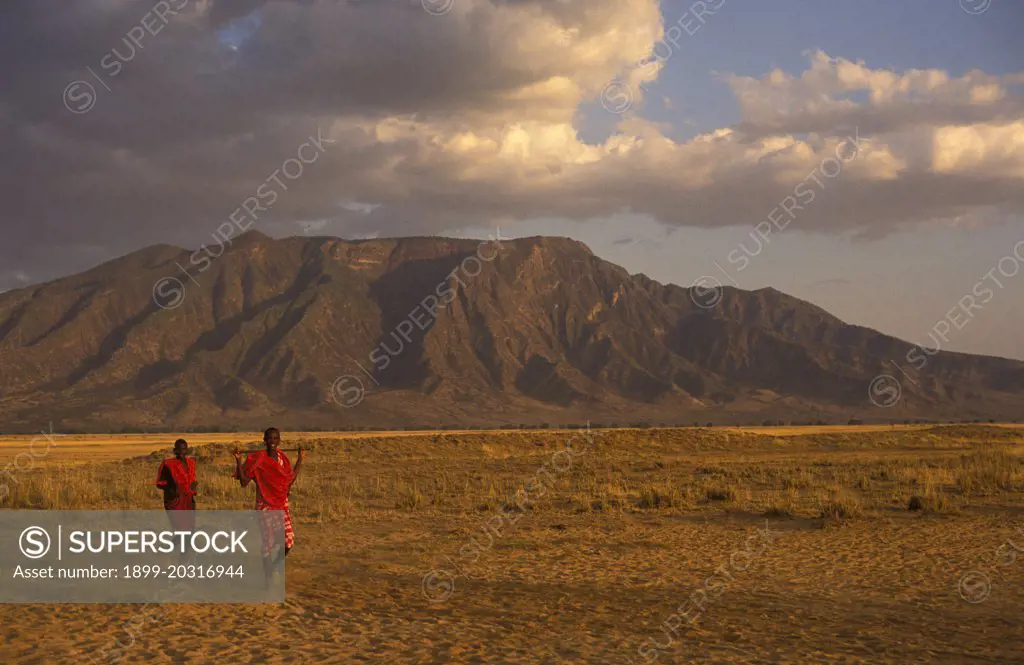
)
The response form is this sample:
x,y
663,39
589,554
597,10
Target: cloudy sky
x,y
867,156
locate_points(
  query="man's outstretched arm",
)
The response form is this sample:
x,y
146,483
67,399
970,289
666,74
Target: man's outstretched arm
x,y
242,479
298,466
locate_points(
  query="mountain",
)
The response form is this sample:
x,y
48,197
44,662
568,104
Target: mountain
x,y
329,333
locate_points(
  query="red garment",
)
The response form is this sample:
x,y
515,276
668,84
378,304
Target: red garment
x,y
270,522
182,475
273,478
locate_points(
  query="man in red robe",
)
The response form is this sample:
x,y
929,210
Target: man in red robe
x,y
177,478
274,476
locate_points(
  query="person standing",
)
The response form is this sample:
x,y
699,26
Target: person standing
x,y
177,478
274,476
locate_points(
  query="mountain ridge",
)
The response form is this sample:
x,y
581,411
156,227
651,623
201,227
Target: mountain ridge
x,y
542,332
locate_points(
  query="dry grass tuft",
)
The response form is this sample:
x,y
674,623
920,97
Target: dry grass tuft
x,y
720,494
654,497
987,472
840,505
781,504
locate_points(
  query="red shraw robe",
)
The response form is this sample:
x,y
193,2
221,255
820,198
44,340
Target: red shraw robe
x,y
273,478
183,475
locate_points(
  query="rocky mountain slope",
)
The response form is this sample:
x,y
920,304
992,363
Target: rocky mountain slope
x,y
329,333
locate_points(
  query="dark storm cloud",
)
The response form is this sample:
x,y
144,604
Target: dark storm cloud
x,y
188,126
125,124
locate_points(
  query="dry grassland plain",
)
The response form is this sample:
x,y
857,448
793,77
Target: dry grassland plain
x,y
819,545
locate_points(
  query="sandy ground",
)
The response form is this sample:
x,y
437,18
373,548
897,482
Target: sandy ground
x,y
585,591
381,584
